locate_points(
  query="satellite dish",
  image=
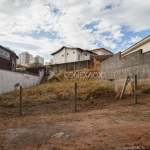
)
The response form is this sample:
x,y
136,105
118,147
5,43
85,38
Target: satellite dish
x,y
16,85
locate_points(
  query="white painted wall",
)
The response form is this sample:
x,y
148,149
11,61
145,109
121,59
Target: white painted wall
x,y
71,57
101,52
8,79
79,53
145,47
82,55
58,59
98,52
87,57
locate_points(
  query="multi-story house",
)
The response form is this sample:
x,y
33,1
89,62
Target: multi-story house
x,y
66,54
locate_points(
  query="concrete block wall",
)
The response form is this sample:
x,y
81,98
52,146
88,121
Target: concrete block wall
x,y
81,65
117,67
8,79
61,67
68,66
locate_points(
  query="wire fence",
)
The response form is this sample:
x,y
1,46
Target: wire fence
x,y
58,97
9,103
50,98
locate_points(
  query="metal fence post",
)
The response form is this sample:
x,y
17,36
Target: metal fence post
x,y
75,97
135,88
20,100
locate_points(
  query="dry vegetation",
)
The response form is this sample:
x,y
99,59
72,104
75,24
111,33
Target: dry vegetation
x,y
47,92
58,89
100,122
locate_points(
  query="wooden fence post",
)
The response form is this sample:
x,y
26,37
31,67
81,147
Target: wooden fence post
x,y
20,100
135,88
75,97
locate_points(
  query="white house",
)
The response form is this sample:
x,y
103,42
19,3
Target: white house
x,y
66,54
144,44
102,51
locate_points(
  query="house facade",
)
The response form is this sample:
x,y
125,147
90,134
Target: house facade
x,y
7,59
144,45
65,55
102,51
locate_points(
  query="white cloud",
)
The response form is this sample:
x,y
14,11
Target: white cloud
x,y
133,14
44,44
127,43
31,16
135,39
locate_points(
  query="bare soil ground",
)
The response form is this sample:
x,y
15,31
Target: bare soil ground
x,y
103,123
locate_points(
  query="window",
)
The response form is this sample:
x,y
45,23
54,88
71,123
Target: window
x,y
67,53
85,54
79,57
4,54
62,55
73,52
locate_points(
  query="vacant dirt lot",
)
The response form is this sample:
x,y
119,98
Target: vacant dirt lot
x,y
104,123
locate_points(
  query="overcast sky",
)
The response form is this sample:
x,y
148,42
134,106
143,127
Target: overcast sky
x,y
43,26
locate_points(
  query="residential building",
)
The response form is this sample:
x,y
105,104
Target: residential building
x,y
25,58
66,54
32,61
102,51
7,59
144,45
39,59
49,63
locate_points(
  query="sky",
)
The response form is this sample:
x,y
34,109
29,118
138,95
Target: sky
x,y
44,26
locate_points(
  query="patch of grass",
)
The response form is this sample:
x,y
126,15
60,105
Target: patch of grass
x,y
56,91
146,90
